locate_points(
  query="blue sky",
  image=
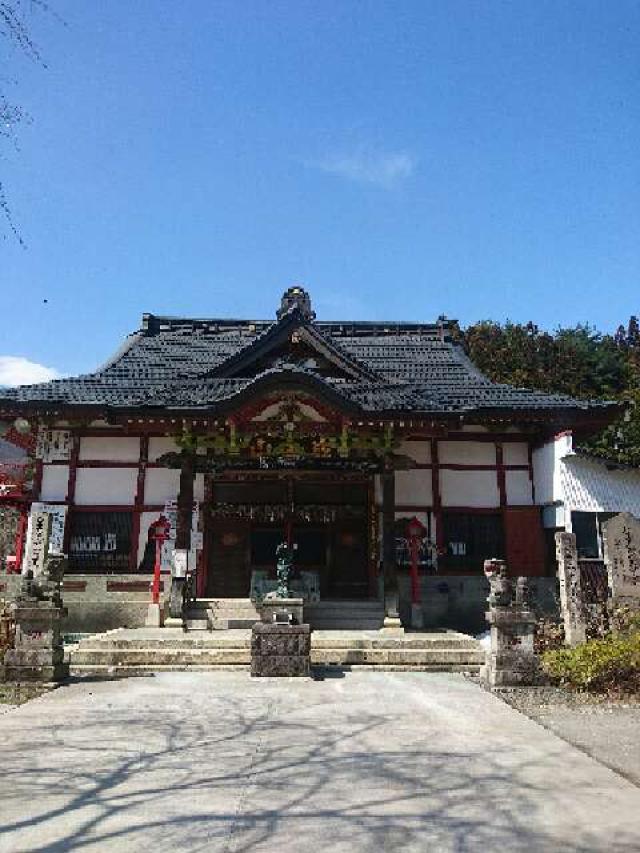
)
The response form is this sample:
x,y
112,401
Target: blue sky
x,y
400,159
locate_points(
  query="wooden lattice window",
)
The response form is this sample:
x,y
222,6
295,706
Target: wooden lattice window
x,y
470,539
100,541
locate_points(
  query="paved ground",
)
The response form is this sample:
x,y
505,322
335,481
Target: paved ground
x,y
367,762
608,731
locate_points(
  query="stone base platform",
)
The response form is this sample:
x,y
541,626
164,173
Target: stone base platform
x,y
144,650
280,650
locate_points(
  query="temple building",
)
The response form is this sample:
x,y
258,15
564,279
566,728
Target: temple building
x,y
332,436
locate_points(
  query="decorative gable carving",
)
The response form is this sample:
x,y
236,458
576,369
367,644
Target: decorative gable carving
x,y
294,343
289,408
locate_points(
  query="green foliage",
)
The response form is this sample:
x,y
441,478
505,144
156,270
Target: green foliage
x,y
578,361
626,620
621,440
611,663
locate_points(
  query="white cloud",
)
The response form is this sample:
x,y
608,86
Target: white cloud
x,y
16,370
366,167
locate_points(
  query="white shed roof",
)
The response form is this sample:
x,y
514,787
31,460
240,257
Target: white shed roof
x,y
589,485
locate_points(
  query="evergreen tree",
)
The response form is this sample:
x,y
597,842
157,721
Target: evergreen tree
x,y
578,361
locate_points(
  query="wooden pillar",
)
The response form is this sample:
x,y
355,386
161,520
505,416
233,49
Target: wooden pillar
x,y
202,580
500,473
183,538
20,540
38,470
436,497
531,478
372,538
36,488
138,503
70,497
391,614
185,503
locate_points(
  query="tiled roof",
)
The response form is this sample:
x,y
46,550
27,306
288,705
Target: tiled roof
x,y
188,364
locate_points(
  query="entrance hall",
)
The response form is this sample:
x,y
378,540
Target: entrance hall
x,y
327,518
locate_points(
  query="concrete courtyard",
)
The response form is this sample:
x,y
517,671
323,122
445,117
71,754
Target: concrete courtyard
x,y
363,762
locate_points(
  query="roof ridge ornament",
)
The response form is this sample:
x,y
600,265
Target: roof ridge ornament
x,y
296,297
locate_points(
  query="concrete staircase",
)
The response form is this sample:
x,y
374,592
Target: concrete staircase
x,y
206,614
131,651
146,650
447,651
345,615
214,614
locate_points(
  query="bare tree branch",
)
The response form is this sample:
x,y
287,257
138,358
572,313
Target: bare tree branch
x,y
15,34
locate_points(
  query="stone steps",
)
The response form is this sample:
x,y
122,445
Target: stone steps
x,y
129,671
160,657
398,657
223,613
324,640
144,651
321,640
219,614
188,657
345,615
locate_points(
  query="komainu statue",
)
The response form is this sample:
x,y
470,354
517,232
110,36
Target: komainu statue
x,y
500,584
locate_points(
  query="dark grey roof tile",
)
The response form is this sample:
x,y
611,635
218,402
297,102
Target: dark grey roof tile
x,y
410,368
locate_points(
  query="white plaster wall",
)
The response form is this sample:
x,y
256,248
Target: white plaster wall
x,y
589,486
546,469
414,487
117,449
159,445
467,452
55,480
515,453
469,488
106,486
419,451
518,488
161,485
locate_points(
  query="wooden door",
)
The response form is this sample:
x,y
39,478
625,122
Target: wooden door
x,y
348,567
524,541
229,574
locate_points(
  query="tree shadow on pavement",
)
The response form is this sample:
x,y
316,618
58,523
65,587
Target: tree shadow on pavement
x,y
255,773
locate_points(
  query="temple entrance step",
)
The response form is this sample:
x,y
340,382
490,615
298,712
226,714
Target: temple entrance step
x,y
222,613
206,614
345,615
138,651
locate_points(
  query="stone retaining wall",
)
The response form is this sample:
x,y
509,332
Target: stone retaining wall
x,y
98,602
460,601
